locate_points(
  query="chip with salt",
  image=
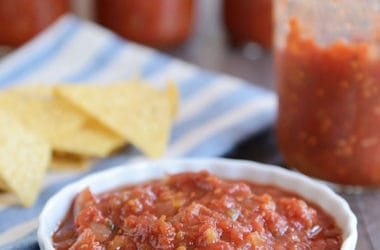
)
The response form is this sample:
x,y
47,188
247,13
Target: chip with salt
x,y
65,128
135,111
24,158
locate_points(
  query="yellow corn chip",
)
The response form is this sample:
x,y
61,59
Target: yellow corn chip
x,y
2,185
90,139
173,95
44,117
42,91
66,128
137,112
24,158
64,161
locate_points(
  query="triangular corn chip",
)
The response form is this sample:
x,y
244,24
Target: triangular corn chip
x,y
3,187
63,161
63,126
173,95
135,111
24,158
90,139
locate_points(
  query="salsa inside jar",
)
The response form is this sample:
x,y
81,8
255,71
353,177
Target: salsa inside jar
x,y
249,21
195,211
159,23
329,108
20,20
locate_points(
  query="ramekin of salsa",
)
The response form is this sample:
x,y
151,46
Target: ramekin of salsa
x,y
328,81
197,204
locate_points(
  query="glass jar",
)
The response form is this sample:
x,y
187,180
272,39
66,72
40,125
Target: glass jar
x,y
248,21
20,20
328,79
159,23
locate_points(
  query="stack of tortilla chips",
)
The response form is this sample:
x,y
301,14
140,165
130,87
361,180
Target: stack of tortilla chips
x,y
69,125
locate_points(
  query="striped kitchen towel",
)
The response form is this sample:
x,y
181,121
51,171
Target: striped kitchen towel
x,y
216,110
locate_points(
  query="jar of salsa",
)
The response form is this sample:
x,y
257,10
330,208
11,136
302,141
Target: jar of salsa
x,y
20,20
248,21
328,78
159,23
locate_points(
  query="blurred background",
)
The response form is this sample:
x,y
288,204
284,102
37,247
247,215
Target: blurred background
x,y
212,38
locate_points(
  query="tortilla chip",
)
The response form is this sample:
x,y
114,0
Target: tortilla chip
x,y
173,95
137,112
91,139
44,117
24,158
63,161
63,126
41,91
2,185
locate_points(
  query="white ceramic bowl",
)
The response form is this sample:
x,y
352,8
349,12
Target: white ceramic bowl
x,y
57,207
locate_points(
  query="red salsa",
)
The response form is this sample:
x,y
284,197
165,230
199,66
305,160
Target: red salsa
x,y
249,21
20,20
159,23
329,108
195,211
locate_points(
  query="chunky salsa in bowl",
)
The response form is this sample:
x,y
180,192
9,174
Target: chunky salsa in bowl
x,y
197,204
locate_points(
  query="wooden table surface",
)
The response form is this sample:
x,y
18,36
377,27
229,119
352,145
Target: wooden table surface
x,y
208,48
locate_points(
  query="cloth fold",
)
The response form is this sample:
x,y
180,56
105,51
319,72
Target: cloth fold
x,y
216,111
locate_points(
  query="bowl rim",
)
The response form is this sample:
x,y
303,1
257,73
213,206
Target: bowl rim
x,y
222,167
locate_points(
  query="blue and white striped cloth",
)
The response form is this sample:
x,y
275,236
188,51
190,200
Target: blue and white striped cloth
x,y
216,111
